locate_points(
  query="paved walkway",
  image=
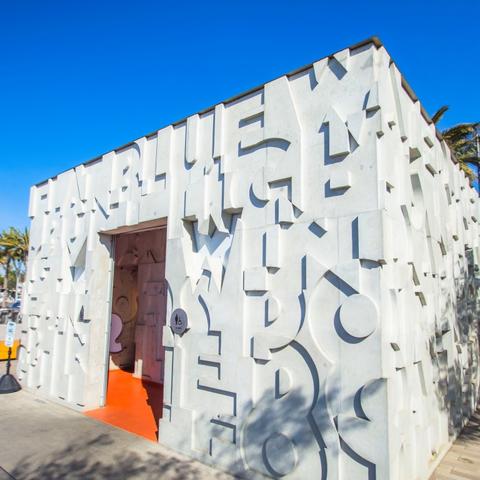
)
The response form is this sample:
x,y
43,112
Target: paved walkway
x,y
462,462
40,440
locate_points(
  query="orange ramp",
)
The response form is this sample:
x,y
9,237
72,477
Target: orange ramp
x,y
132,404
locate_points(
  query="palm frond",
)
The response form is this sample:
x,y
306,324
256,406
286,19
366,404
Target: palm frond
x,y
458,132
437,116
473,159
467,170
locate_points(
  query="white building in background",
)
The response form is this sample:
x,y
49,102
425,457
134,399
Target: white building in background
x,y
320,243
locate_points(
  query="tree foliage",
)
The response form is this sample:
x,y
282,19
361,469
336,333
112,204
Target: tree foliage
x,y
463,140
13,257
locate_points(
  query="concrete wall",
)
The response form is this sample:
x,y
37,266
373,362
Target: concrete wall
x,y
322,243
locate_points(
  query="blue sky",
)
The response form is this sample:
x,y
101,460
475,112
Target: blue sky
x,y
80,78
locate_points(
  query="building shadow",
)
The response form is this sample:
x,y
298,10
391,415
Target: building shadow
x,y
154,400
78,462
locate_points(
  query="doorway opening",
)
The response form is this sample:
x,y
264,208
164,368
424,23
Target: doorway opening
x,y
134,397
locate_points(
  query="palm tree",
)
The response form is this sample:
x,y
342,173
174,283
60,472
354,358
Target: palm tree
x,y
463,140
16,242
5,261
13,250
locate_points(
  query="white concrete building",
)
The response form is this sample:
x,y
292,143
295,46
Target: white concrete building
x,y
322,245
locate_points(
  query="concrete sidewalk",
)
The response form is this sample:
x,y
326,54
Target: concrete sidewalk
x,y
462,462
44,441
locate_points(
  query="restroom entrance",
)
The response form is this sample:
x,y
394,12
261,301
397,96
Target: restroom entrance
x,y
134,397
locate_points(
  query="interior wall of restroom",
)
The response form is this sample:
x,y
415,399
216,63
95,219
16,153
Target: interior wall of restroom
x,y
138,300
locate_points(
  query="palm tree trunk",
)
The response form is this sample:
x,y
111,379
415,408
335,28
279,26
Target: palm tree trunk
x,y
5,283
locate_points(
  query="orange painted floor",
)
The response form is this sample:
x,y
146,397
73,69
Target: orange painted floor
x,y
132,404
